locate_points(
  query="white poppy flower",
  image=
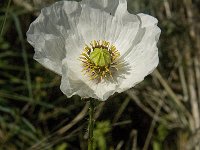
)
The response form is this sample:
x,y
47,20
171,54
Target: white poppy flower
x,y
97,46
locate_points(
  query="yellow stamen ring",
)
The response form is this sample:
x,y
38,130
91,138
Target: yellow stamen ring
x,y
98,59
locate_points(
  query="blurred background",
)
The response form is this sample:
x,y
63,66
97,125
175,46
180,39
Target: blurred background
x,y
160,113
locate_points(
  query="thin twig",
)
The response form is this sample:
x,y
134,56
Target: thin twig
x,y
197,74
131,94
134,137
24,4
167,9
79,117
173,96
121,110
182,75
150,133
194,140
192,92
62,130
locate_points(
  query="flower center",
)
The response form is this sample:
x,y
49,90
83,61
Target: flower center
x,y
99,59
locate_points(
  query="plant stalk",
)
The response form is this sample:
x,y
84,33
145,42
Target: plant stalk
x,y
91,125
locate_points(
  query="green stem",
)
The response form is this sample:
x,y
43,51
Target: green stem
x,y
91,125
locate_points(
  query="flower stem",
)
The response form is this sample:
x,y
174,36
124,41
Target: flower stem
x,y
91,125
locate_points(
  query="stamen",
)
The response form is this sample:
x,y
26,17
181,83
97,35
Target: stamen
x,y
98,59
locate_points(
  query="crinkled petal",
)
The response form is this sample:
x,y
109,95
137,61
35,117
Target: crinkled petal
x,y
147,20
129,33
71,84
113,7
61,31
95,24
142,57
121,8
48,32
74,82
108,6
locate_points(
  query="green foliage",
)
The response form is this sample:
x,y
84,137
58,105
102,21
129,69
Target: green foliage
x,y
4,44
62,146
35,115
100,134
160,137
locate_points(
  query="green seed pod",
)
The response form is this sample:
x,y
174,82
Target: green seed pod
x,y
100,57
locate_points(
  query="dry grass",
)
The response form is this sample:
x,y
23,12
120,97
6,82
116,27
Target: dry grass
x,y
36,115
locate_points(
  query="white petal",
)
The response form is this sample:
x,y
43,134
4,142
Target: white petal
x,y
92,24
48,32
50,52
71,84
95,24
127,33
121,8
143,56
75,82
108,6
60,32
147,20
